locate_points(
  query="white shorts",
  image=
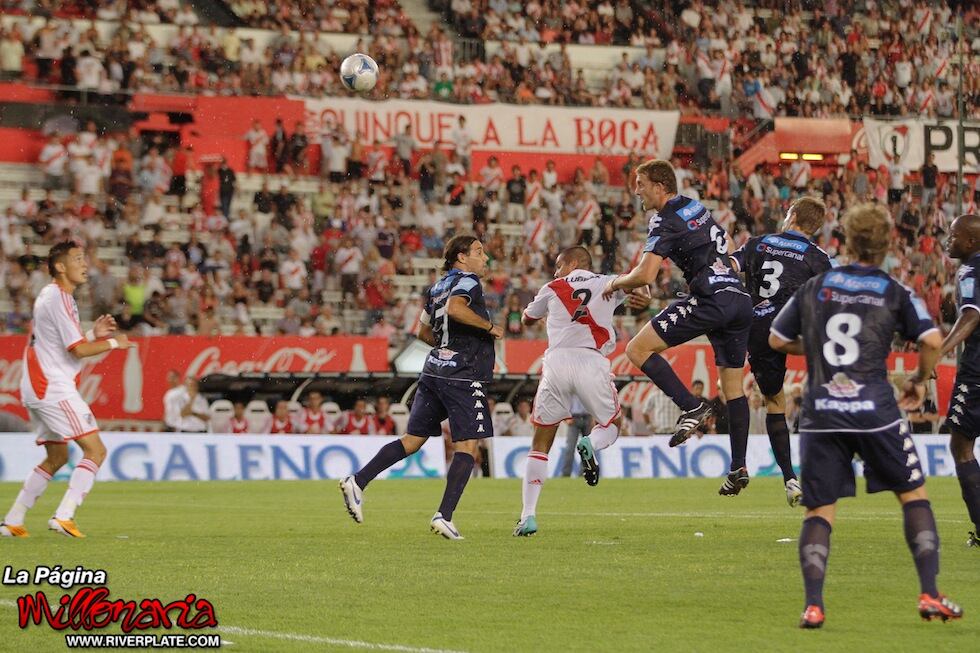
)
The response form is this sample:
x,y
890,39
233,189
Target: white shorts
x,y
60,421
579,372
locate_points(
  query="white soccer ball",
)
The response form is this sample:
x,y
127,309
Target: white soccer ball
x,y
359,72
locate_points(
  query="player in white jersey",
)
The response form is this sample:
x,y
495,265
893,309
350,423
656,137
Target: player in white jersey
x,y
52,362
580,336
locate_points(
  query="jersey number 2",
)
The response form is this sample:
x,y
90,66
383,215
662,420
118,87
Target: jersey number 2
x,y
584,296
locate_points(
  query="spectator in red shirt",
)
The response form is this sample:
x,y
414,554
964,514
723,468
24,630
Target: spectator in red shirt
x,y
383,421
182,162
281,423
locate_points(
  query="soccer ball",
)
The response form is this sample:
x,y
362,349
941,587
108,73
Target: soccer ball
x,y
359,72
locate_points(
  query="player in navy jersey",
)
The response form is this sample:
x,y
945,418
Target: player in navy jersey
x,y
683,230
775,265
453,384
963,418
843,321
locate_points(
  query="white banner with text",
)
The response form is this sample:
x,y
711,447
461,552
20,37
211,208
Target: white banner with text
x,y
652,457
208,457
501,127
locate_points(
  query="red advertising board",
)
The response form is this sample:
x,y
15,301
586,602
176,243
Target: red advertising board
x,y
130,384
696,361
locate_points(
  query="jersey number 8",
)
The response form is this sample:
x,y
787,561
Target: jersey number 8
x,y
841,329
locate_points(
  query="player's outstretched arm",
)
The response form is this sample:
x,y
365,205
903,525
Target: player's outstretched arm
x,y
965,325
458,309
914,390
86,349
644,274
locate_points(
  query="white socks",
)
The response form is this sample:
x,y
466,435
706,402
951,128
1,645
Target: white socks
x,y
603,436
79,485
34,486
534,476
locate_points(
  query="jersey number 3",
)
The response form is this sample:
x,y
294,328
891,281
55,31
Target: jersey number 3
x,y
584,296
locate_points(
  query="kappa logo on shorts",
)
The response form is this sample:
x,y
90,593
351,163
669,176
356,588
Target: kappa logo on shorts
x,y
954,419
480,429
908,444
961,397
478,393
912,459
663,325
478,404
916,475
673,318
682,310
479,415
476,384
962,388
958,409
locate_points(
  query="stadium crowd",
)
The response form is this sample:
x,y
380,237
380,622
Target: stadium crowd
x,y
840,58
333,260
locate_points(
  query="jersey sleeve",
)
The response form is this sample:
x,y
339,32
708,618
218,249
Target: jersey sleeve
x,y
62,316
538,308
914,319
967,289
822,263
738,257
468,287
660,237
788,325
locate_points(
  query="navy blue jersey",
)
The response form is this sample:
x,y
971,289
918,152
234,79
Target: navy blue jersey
x,y
967,287
684,231
847,318
776,265
461,352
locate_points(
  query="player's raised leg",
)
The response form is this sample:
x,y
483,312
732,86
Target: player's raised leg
x,y
34,486
352,487
968,473
79,485
644,352
601,399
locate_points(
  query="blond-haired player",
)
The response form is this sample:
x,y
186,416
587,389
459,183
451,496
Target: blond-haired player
x,y
52,361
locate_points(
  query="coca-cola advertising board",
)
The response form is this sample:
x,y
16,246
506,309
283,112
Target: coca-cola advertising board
x,y
130,384
696,362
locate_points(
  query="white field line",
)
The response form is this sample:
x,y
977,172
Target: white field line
x,y
306,639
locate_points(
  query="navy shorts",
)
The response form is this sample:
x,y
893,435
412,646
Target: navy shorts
x,y
827,471
463,402
964,409
768,365
724,317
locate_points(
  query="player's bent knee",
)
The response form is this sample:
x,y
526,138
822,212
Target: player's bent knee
x,y
93,448
918,494
826,512
467,446
412,443
961,447
776,404
57,457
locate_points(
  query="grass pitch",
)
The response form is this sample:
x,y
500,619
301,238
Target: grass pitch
x,y
614,568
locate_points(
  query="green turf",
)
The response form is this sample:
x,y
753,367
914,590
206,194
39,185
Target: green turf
x,y
613,568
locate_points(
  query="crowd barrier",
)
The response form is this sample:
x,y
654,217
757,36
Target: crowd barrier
x,y
213,457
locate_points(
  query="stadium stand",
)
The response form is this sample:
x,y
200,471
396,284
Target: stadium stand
x,y
289,247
